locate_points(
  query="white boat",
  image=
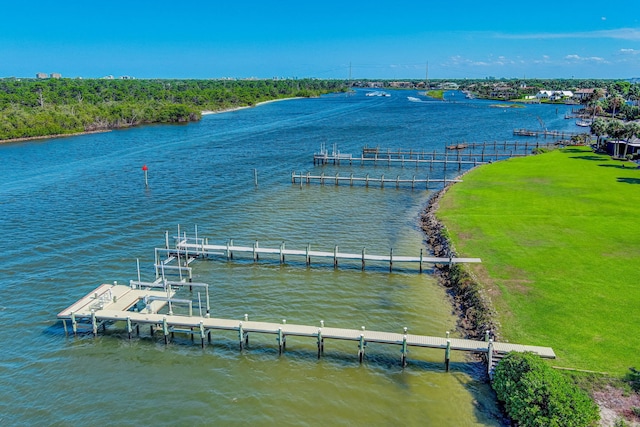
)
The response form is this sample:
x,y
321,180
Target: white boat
x,y
378,93
413,99
583,123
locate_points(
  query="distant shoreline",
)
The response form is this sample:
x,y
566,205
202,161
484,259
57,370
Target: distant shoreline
x,y
59,135
203,113
228,110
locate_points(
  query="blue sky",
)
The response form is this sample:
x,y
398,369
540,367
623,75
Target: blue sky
x,y
324,39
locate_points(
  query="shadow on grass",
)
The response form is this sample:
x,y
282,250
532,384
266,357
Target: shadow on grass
x,y
629,180
573,150
588,157
615,165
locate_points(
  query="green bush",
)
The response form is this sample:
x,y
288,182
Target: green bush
x,y
633,377
535,395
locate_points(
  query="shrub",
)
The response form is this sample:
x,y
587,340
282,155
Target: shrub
x,y
633,377
535,395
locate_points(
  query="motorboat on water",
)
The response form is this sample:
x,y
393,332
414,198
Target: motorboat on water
x,y
378,93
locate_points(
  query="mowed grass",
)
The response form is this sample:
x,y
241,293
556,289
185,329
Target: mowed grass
x,y
559,238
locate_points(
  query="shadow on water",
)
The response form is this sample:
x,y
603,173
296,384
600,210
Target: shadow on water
x,y
229,348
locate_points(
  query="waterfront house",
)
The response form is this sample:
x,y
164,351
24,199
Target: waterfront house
x,y
554,95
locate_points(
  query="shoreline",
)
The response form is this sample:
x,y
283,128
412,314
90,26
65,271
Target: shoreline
x,y
472,307
228,110
58,135
202,113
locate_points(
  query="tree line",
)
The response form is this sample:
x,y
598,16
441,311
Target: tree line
x,y
34,107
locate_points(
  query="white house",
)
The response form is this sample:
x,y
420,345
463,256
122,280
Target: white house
x,y
554,95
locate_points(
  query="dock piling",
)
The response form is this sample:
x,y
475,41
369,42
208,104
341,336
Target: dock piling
x,y
320,343
447,356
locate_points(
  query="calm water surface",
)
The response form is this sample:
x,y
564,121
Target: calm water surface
x,y
75,214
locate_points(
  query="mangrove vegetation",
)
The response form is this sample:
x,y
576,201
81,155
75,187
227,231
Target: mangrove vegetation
x,y
43,107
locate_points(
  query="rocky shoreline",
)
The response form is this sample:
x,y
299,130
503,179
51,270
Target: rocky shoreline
x,y
473,307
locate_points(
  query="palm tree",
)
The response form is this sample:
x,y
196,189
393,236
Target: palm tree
x,y
615,103
599,128
616,130
631,129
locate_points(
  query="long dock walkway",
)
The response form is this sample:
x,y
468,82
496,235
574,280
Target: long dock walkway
x,y
187,249
366,180
139,304
462,154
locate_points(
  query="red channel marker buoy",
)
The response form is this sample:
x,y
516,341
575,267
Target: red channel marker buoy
x,y
146,181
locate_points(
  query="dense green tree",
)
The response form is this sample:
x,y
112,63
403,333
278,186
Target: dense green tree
x,y
33,107
534,395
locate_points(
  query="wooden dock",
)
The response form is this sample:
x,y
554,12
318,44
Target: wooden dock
x,y
462,154
545,133
187,249
140,303
366,180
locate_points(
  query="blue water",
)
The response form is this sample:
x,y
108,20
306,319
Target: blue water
x,y
75,213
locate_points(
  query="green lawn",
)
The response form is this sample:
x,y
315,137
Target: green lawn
x,y
559,238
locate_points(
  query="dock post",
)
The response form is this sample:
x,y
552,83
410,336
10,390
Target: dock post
x,y
64,326
404,348
322,178
382,181
447,356
229,251
366,181
421,260
280,340
94,325
335,256
489,356
363,253
337,174
201,333
129,328
74,324
320,343
307,257
241,336
165,329
255,251
166,239
361,345
391,260
282,253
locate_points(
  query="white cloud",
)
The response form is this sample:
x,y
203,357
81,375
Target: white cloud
x,y
629,51
578,58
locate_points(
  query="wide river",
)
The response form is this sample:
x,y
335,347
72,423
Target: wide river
x,y
75,213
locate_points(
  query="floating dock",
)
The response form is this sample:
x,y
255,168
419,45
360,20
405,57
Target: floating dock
x,y
140,303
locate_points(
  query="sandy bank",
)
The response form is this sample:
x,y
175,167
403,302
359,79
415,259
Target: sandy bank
x,y
227,110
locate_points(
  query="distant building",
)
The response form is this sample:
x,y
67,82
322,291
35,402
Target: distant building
x,y
126,78
109,77
554,95
56,75
42,76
